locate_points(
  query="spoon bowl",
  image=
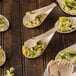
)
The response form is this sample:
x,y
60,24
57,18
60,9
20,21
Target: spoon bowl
x,y
46,40
72,19
5,25
67,11
31,17
3,58
45,37
33,43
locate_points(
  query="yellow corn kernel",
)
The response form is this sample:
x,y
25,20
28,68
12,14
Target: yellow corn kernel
x,y
25,51
27,13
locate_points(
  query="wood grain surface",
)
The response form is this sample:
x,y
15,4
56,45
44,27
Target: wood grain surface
x,y
13,39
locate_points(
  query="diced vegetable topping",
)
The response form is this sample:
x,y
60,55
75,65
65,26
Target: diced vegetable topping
x,y
69,6
3,24
68,54
37,21
10,72
66,24
2,59
34,51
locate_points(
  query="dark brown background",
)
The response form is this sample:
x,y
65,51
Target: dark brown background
x,y
13,39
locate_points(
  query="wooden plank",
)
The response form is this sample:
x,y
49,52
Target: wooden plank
x,y
1,36
12,41
70,39
33,67
45,26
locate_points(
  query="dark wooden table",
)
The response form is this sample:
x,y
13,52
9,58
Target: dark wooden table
x,y
13,39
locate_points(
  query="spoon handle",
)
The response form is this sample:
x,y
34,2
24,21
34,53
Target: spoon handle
x,y
44,35
46,8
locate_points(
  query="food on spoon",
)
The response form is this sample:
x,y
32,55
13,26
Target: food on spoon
x,y
65,24
63,68
28,13
2,57
34,51
10,72
3,23
69,6
67,54
38,19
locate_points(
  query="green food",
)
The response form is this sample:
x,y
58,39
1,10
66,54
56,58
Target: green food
x,y
37,21
3,23
2,20
66,24
34,51
69,6
68,54
10,72
2,59
70,3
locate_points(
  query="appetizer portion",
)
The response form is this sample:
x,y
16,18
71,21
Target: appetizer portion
x,y
68,54
66,24
2,56
36,22
69,6
10,72
34,51
4,24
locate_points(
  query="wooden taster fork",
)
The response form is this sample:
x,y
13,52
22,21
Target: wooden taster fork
x,y
63,68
